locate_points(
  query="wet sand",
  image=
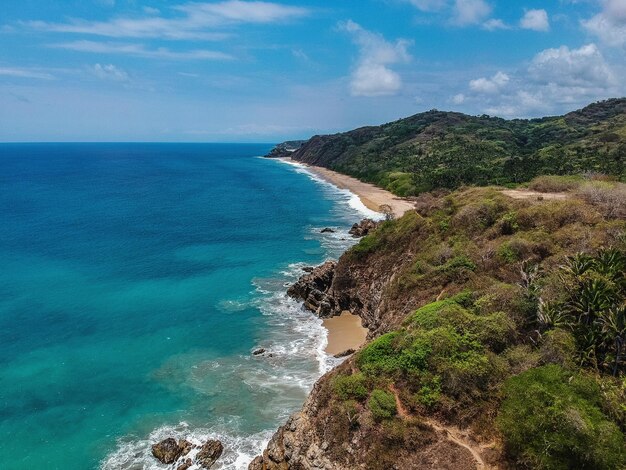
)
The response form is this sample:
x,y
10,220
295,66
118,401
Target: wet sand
x,y
344,332
372,196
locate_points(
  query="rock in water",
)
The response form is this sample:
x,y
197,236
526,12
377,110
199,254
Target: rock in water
x,y
258,351
362,228
185,465
312,288
185,446
256,464
167,451
209,453
327,230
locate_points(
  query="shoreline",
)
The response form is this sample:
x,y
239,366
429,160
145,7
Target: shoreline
x,y
345,332
370,195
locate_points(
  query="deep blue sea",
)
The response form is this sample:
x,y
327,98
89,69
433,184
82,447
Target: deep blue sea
x,y
136,280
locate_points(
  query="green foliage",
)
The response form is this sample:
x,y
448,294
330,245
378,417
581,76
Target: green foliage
x,y
593,308
350,387
382,404
448,150
430,392
553,419
444,349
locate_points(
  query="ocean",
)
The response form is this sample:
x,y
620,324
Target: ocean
x,y
136,280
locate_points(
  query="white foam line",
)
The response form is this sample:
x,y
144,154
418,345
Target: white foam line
x,y
353,199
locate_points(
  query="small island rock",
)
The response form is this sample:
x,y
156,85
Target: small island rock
x,y
166,451
209,453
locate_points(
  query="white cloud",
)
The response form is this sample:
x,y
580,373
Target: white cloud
x,y
584,67
537,20
554,78
467,12
490,85
139,50
372,75
196,19
495,24
610,24
109,72
429,5
25,73
458,99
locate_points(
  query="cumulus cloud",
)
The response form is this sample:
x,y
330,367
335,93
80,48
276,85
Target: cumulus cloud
x,y
537,20
610,24
554,78
490,85
372,75
467,12
196,18
583,67
110,72
139,50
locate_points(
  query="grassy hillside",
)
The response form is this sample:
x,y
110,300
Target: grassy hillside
x,y
516,335
447,150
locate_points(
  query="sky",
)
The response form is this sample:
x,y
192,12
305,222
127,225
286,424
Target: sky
x,y
252,71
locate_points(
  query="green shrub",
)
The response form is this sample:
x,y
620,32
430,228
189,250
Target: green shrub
x,y
552,419
350,387
382,404
430,392
379,356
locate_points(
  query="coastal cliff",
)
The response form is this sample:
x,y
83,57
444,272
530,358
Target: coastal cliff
x,y
470,301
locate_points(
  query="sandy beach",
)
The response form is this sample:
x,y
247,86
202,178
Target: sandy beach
x,y
344,332
372,196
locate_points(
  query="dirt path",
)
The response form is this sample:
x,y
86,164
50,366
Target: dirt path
x,y
527,194
452,433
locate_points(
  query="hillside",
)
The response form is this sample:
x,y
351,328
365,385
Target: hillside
x,y
497,331
439,149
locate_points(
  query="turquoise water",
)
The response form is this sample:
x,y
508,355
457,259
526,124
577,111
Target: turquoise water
x,y
135,281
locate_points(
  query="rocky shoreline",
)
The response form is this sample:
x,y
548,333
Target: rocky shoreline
x,y
312,288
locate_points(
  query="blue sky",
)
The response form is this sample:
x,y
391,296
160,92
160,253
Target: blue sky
x,y
236,71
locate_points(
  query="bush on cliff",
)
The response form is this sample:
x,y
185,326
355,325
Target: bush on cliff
x,y
552,418
382,404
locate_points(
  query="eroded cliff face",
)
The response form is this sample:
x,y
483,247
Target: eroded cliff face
x,y
363,285
325,435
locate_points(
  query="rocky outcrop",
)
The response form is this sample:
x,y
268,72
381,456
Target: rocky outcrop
x,y
209,453
312,288
285,149
358,286
362,228
168,450
321,437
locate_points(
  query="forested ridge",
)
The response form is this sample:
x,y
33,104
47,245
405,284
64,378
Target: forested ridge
x,y
439,149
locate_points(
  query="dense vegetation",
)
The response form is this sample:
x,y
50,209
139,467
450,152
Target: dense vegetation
x,y
520,336
439,149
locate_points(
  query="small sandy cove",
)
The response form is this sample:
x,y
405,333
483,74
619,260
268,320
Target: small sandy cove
x,y
371,196
344,332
